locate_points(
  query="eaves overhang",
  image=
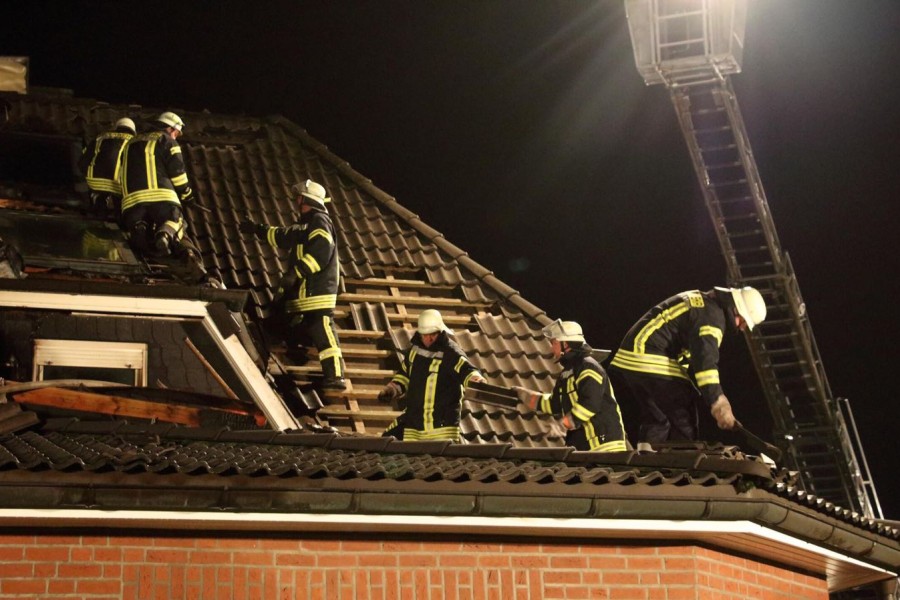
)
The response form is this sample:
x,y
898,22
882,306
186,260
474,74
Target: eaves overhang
x,y
841,570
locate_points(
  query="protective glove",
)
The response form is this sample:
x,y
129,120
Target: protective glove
x,y
721,412
389,393
529,398
251,227
568,421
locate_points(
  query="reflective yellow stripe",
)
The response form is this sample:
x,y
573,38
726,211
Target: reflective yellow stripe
x,y
99,184
459,364
670,314
180,180
710,377
712,331
156,195
401,379
648,363
334,350
545,403
469,376
270,236
582,412
310,261
150,163
320,233
312,303
430,390
175,150
449,433
616,446
589,373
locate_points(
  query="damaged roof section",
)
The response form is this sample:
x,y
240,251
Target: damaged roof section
x,y
394,266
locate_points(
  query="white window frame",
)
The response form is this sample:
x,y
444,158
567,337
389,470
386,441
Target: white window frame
x,y
80,353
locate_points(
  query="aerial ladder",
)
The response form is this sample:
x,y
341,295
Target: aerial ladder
x,y
693,47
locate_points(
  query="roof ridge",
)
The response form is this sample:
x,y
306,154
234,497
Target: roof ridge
x,y
481,272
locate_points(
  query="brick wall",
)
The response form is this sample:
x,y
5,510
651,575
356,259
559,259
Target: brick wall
x,y
368,569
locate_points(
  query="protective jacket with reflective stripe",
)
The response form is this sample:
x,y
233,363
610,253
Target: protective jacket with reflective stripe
x,y
584,395
678,339
101,160
434,380
153,170
312,283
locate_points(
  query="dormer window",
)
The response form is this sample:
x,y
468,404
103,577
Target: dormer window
x,y
116,362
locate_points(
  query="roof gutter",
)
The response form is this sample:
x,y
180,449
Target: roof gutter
x,y
240,361
841,570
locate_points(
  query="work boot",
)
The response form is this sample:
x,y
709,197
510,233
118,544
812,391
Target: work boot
x,y
161,243
336,384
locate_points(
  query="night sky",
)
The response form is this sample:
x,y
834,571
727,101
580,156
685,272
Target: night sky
x,y
523,132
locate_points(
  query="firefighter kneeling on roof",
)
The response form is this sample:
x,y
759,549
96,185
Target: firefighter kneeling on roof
x,y
583,397
433,374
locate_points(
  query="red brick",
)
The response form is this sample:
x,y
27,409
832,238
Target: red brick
x,y
527,562
321,546
11,553
457,560
283,559
254,558
77,571
166,555
607,563
98,587
18,540
61,586
382,559
51,553
564,577
493,560
645,564
133,555
23,586
620,578
418,560
16,569
677,578
107,555
209,557
568,562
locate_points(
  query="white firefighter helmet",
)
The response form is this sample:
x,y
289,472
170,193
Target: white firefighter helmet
x,y
171,119
430,321
749,304
312,190
564,331
126,123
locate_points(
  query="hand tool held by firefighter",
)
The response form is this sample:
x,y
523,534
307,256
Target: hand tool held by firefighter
x,y
758,444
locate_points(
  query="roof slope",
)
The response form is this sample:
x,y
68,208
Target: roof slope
x,y
393,264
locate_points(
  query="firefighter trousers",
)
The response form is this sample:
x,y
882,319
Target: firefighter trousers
x,y
317,326
668,406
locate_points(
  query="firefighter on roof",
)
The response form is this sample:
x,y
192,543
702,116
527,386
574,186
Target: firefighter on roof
x,y
154,186
583,397
309,289
673,351
433,374
100,165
